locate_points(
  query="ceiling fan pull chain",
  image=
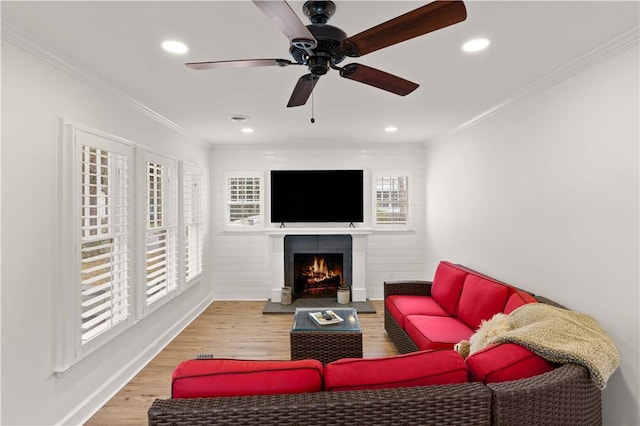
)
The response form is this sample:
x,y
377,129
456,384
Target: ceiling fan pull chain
x,y
313,120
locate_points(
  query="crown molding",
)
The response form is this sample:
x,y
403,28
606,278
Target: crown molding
x,y
615,46
19,38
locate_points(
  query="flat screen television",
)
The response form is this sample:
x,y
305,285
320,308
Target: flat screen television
x,y
316,196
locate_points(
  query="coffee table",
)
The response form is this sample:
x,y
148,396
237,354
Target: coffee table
x,y
326,343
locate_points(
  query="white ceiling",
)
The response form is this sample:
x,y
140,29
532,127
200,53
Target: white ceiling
x,y
119,41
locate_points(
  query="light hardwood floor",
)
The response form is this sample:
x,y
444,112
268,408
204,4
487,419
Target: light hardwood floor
x,y
226,330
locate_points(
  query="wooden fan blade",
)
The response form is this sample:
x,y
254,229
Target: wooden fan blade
x,y
242,63
287,20
303,90
423,20
380,79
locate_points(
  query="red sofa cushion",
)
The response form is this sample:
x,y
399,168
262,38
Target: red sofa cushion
x,y
481,299
447,285
504,362
413,369
517,299
230,377
432,332
399,306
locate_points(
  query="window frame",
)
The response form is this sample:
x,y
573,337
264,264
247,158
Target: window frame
x,y
171,230
67,302
69,349
228,226
187,201
391,174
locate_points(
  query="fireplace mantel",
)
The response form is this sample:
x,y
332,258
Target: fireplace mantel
x,y
358,257
318,231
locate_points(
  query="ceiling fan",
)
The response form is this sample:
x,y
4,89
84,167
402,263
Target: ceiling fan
x,y
321,46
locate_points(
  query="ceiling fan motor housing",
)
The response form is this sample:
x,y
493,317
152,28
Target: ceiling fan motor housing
x,y
327,52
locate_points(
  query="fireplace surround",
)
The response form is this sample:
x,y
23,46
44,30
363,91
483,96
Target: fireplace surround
x,y
355,261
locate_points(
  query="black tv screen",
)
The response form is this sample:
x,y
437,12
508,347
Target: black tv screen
x,y
316,196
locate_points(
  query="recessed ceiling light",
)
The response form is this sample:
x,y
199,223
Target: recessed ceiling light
x,y
390,129
476,45
173,46
246,130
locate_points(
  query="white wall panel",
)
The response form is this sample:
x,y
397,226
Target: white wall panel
x,y
34,95
242,266
545,195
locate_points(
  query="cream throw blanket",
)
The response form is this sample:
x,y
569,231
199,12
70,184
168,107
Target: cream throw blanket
x,y
563,336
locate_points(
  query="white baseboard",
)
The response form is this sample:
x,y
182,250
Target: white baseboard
x,y
87,408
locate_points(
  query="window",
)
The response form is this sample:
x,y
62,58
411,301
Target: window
x,y
94,282
244,200
392,200
161,228
193,222
120,249
104,241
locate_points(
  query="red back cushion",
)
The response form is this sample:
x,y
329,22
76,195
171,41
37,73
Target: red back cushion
x,y
504,362
229,377
447,285
481,299
517,299
412,369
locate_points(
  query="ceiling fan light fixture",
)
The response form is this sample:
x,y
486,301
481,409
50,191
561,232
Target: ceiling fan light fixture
x,y
390,129
246,130
174,46
318,65
476,45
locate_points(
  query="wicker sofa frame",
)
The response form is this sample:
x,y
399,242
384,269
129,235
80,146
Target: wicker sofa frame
x,y
464,404
563,396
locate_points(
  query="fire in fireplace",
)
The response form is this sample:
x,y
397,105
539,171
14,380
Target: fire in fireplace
x,y
317,274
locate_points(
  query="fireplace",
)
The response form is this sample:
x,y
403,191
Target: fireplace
x,y
317,275
316,265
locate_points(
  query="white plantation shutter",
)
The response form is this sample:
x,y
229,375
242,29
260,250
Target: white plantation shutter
x,y
161,232
120,248
193,224
244,198
104,241
392,200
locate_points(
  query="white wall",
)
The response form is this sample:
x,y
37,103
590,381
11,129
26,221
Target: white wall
x,y
34,95
544,195
242,267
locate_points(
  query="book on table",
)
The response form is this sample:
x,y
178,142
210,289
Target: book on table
x,y
325,317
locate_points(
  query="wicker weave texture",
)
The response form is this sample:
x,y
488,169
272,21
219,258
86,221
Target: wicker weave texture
x,y
464,404
397,335
407,287
327,346
400,338
564,396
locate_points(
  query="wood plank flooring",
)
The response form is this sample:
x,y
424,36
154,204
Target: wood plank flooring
x,y
227,330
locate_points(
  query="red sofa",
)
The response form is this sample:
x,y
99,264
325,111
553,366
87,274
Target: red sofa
x,y
437,314
429,384
431,387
